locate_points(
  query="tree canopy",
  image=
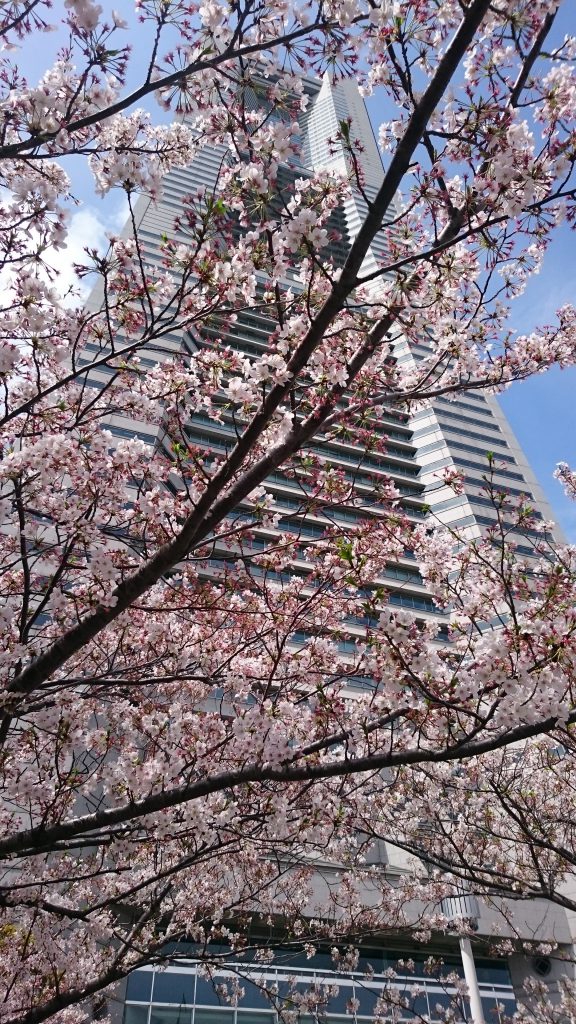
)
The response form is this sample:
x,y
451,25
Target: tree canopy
x,y
202,701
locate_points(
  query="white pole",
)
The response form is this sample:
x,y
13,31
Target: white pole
x,y
471,979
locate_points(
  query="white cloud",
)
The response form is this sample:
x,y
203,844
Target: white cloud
x,y
87,229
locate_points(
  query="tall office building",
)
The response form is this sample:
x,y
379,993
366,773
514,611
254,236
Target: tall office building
x,y
448,433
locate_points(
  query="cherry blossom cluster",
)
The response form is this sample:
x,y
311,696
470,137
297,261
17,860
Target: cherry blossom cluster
x,y
206,692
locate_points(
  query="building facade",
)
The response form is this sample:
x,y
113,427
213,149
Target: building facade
x,y
419,448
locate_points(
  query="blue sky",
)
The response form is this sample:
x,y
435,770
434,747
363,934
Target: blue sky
x,y
542,410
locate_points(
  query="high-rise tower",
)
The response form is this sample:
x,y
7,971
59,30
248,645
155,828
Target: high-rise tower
x,y
449,433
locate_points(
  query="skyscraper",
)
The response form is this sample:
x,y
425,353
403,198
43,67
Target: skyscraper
x,y
419,447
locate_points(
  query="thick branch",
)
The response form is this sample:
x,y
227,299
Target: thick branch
x,y
35,841
199,523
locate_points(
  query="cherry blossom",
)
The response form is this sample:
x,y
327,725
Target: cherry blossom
x,y
206,691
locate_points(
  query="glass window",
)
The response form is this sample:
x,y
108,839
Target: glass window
x,y
507,1008
366,998
213,1016
441,1001
172,987
254,998
135,1014
205,993
249,1017
450,965
495,973
338,1004
490,1010
170,1015
418,1004
393,961
139,986
284,988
